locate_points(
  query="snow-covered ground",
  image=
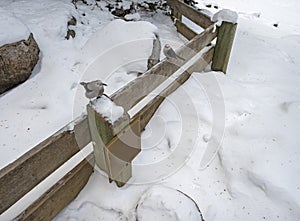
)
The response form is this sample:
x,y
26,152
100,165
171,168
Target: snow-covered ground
x,y
254,176
53,87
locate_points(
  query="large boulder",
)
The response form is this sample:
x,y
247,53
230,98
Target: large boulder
x,y
17,61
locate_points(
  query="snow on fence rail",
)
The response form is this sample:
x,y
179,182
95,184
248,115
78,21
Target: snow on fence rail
x,y
24,174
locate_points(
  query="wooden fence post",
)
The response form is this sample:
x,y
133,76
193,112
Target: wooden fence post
x,y
176,14
115,146
223,46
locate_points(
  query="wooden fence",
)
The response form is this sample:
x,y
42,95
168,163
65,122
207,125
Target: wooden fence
x,y
24,174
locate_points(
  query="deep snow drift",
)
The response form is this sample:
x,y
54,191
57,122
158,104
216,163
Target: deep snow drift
x,y
254,176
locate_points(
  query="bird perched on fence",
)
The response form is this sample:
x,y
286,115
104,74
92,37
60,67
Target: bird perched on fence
x,y
170,53
93,89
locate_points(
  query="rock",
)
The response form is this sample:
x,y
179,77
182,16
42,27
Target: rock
x,y
109,6
72,21
119,12
190,2
155,56
17,61
70,33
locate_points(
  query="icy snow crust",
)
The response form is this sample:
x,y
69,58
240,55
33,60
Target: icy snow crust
x,y
255,175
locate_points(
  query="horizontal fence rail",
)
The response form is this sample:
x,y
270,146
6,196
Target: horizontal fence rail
x,y
191,13
137,89
29,170
21,176
184,30
148,111
61,194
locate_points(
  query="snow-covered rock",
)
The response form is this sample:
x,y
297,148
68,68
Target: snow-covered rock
x,y
17,62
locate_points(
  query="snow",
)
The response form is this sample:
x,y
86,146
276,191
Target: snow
x,y
254,175
225,15
162,204
54,89
19,32
133,17
107,108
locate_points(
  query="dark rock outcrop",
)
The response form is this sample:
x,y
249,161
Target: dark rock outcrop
x,y
17,61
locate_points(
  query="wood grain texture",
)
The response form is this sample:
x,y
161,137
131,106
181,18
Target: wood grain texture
x,y
127,144
149,110
137,89
103,132
185,30
26,172
125,174
98,143
224,44
191,13
60,195
121,150
175,14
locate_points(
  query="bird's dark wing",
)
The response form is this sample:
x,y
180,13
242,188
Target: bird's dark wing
x,y
171,53
89,87
88,90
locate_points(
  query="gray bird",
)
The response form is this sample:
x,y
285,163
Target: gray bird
x,y
170,53
93,89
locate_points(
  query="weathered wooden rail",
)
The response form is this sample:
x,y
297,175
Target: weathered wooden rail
x,y
24,174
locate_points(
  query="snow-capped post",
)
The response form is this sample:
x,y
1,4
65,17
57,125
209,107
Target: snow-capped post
x,y
115,146
226,22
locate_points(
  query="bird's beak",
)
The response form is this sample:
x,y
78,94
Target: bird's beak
x,y
104,84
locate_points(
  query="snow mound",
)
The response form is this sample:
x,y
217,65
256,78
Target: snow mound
x,y
107,109
225,15
7,33
47,20
117,32
163,204
120,46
